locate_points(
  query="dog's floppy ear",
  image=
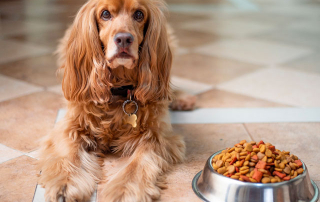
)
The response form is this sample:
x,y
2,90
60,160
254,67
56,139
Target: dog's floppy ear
x,y
155,59
83,60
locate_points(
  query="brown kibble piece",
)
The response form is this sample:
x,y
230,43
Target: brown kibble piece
x,y
235,177
253,143
264,159
293,167
281,165
215,166
219,163
253,180
265,180
260,155
262,148
287,170
300,170
248,147
268,153
222,170
231,169
274,180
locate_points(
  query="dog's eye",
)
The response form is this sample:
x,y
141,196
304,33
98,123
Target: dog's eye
x,y
138,16
106,15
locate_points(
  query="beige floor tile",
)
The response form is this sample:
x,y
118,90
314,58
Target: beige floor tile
x,y
222,99
25,120
13,27
193,38
181,51
6,153
309,63
177,18
262,17
189,86
229,27
279,85
253,51
177,192
305,25
18,179
195,2
56,89
302,11
46,38
39,70
301,139
210,70
11,50
12,88
210,9
202,140
299,38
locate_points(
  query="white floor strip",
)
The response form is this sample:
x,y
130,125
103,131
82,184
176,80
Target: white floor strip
x,y
240,115
246,115
39,195
244,4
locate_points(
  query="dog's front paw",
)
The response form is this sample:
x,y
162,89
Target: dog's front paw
x,y
56,193
116,191
66,193
184,102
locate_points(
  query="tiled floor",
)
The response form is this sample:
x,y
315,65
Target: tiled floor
x,y
233,54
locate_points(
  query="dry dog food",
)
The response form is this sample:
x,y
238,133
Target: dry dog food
x,y
257,162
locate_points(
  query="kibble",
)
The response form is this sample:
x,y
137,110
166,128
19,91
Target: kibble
x,y
257,162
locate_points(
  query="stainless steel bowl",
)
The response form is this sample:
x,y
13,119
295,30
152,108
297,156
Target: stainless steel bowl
x,y
211,186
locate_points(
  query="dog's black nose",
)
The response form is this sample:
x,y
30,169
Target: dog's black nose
x,y
123,40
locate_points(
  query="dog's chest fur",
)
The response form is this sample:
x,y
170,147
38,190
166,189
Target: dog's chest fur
x,y
105,126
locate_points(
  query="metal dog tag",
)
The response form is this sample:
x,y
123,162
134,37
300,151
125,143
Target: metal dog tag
x,y
132,119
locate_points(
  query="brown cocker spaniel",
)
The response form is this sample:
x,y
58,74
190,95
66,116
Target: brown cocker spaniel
x,y
116,63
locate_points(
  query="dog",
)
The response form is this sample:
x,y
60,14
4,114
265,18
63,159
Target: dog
x,y
116,59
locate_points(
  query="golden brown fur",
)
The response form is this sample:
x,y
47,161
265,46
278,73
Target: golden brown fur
x,y
72,155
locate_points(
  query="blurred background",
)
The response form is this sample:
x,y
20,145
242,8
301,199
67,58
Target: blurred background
x,y
233,54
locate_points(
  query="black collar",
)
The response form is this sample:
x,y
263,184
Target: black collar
x,y
121,91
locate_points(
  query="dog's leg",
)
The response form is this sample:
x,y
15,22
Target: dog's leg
x,y
67,169
140,179
183,101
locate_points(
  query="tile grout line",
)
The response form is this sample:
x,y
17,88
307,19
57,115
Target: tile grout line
x,y
245,127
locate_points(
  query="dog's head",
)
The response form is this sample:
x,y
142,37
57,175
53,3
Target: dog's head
x,y
114,43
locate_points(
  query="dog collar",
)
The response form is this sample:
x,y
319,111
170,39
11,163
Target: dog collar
x,y
121,91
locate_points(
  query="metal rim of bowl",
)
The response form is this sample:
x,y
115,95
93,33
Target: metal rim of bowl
x,y
198,193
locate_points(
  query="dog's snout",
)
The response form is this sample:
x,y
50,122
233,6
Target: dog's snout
x,y
123,40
